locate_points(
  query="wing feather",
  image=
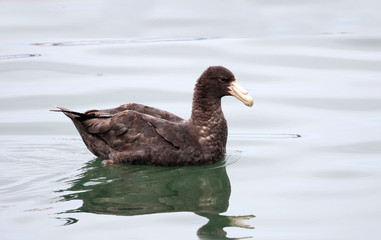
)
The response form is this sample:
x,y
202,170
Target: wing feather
x,y
97,125
155,112
135,137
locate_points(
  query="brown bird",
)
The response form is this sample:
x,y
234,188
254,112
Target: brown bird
x,y
138,134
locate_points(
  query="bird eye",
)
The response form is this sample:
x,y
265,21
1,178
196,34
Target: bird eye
x,y
224,79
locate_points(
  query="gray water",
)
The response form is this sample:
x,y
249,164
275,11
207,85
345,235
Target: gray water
x,y
305,160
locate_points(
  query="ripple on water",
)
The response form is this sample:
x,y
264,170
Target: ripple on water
x,y
119,41
15,56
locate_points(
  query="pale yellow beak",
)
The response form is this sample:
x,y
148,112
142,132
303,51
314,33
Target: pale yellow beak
x,y
239,92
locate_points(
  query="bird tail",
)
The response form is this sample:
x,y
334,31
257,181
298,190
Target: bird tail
x,y
77,115
92,141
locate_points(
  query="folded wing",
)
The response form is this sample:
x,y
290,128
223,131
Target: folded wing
x,y
155,112
135,137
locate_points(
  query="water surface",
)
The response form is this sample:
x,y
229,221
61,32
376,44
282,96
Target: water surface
x,y
305,160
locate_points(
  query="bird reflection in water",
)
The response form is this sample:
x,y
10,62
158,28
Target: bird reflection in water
x,y
137,190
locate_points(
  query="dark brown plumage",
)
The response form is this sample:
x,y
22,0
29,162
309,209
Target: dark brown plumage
x,y
138,134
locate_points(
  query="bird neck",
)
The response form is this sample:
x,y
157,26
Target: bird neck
x,y
204,108
210,125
